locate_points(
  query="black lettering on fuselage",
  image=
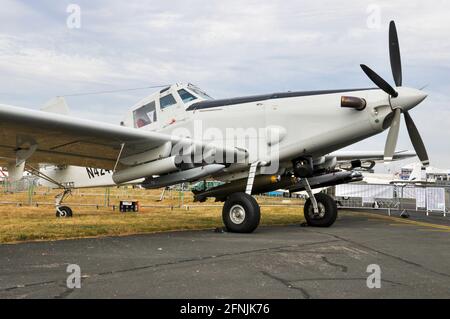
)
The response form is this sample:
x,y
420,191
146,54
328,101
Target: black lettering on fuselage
x,y
95,172
90,172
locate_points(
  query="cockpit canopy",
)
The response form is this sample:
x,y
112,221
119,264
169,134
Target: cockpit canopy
x,y
153,108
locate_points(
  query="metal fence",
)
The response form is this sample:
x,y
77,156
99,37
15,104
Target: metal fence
x,y
26,193
433,198
22,185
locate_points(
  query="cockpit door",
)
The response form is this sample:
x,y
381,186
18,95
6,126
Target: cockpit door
x,y
146,116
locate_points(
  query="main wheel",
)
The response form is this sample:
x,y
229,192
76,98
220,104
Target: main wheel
x,y
63,211
327,211
241,213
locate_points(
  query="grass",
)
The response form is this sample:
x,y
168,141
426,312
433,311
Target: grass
x,y
30,223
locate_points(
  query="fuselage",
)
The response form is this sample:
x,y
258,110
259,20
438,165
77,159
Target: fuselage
x,y
280,126
275,128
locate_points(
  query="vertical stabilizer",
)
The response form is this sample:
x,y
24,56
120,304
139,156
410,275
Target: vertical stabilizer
x,y
56,105
418,173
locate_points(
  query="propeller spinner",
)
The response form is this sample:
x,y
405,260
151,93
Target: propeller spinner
x,y
401,99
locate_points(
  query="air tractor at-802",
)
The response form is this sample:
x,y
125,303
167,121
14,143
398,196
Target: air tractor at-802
x,y
253,144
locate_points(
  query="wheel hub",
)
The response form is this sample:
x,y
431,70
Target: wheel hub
x,y
237,214
62,212
320,214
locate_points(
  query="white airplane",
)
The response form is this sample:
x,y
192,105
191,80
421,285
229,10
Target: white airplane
x,y
386,179
418,176
255,144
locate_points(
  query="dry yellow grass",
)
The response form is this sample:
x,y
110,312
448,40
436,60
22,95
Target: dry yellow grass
x,y
26,223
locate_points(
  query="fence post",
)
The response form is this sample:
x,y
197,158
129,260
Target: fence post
x,y
181,203
30,193
107,193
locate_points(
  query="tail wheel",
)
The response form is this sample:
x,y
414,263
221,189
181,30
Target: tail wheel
x,y
327,211
63,211
241,213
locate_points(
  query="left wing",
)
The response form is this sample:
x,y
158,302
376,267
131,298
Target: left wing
x,y
42,137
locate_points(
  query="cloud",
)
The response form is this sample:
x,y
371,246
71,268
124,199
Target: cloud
x,y
229,48
27,60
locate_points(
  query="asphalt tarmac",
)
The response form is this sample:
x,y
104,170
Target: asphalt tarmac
x,y
413,256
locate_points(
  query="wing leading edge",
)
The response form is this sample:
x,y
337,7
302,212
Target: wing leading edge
x,y
63,140
377,156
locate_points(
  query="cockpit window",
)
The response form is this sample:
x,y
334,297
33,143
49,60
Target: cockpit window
x,y
186,96
167,101
144,115
199,92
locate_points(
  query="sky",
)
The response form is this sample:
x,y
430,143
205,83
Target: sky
x,y
228,48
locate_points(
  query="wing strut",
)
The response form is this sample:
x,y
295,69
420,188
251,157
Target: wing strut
x,y
118,156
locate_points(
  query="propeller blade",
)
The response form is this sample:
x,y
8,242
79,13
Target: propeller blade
x,y
379,81
391,141
394,53
416,140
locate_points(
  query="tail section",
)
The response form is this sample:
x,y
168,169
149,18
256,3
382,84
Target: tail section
x,y
56,105
418,173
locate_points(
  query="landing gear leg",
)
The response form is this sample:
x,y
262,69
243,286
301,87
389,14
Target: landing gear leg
x,y
63,211
311,195
320,210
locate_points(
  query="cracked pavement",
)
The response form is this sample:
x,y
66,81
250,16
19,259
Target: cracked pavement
x,y
273,262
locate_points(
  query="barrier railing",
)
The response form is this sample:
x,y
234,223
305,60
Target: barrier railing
x,y
100,198
433,198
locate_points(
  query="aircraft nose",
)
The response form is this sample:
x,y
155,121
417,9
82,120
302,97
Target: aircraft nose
x,y
408,98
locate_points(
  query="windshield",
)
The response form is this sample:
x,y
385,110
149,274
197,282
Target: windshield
x,y
167,101
199,92
186,96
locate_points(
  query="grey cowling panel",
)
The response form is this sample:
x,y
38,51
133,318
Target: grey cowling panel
x,y
255,98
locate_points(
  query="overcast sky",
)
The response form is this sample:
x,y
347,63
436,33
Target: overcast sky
x,y
228,48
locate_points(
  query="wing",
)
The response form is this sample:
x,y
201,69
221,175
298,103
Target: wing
x,y
42,137
376,156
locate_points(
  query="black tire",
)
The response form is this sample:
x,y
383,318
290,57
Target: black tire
x,y
327,211
64,212
236,205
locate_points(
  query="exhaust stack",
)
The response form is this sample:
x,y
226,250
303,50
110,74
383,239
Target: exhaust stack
x,y
356,103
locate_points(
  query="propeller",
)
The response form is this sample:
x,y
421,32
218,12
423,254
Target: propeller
x,y
379,81
391,141
394,54
396,67
414,135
